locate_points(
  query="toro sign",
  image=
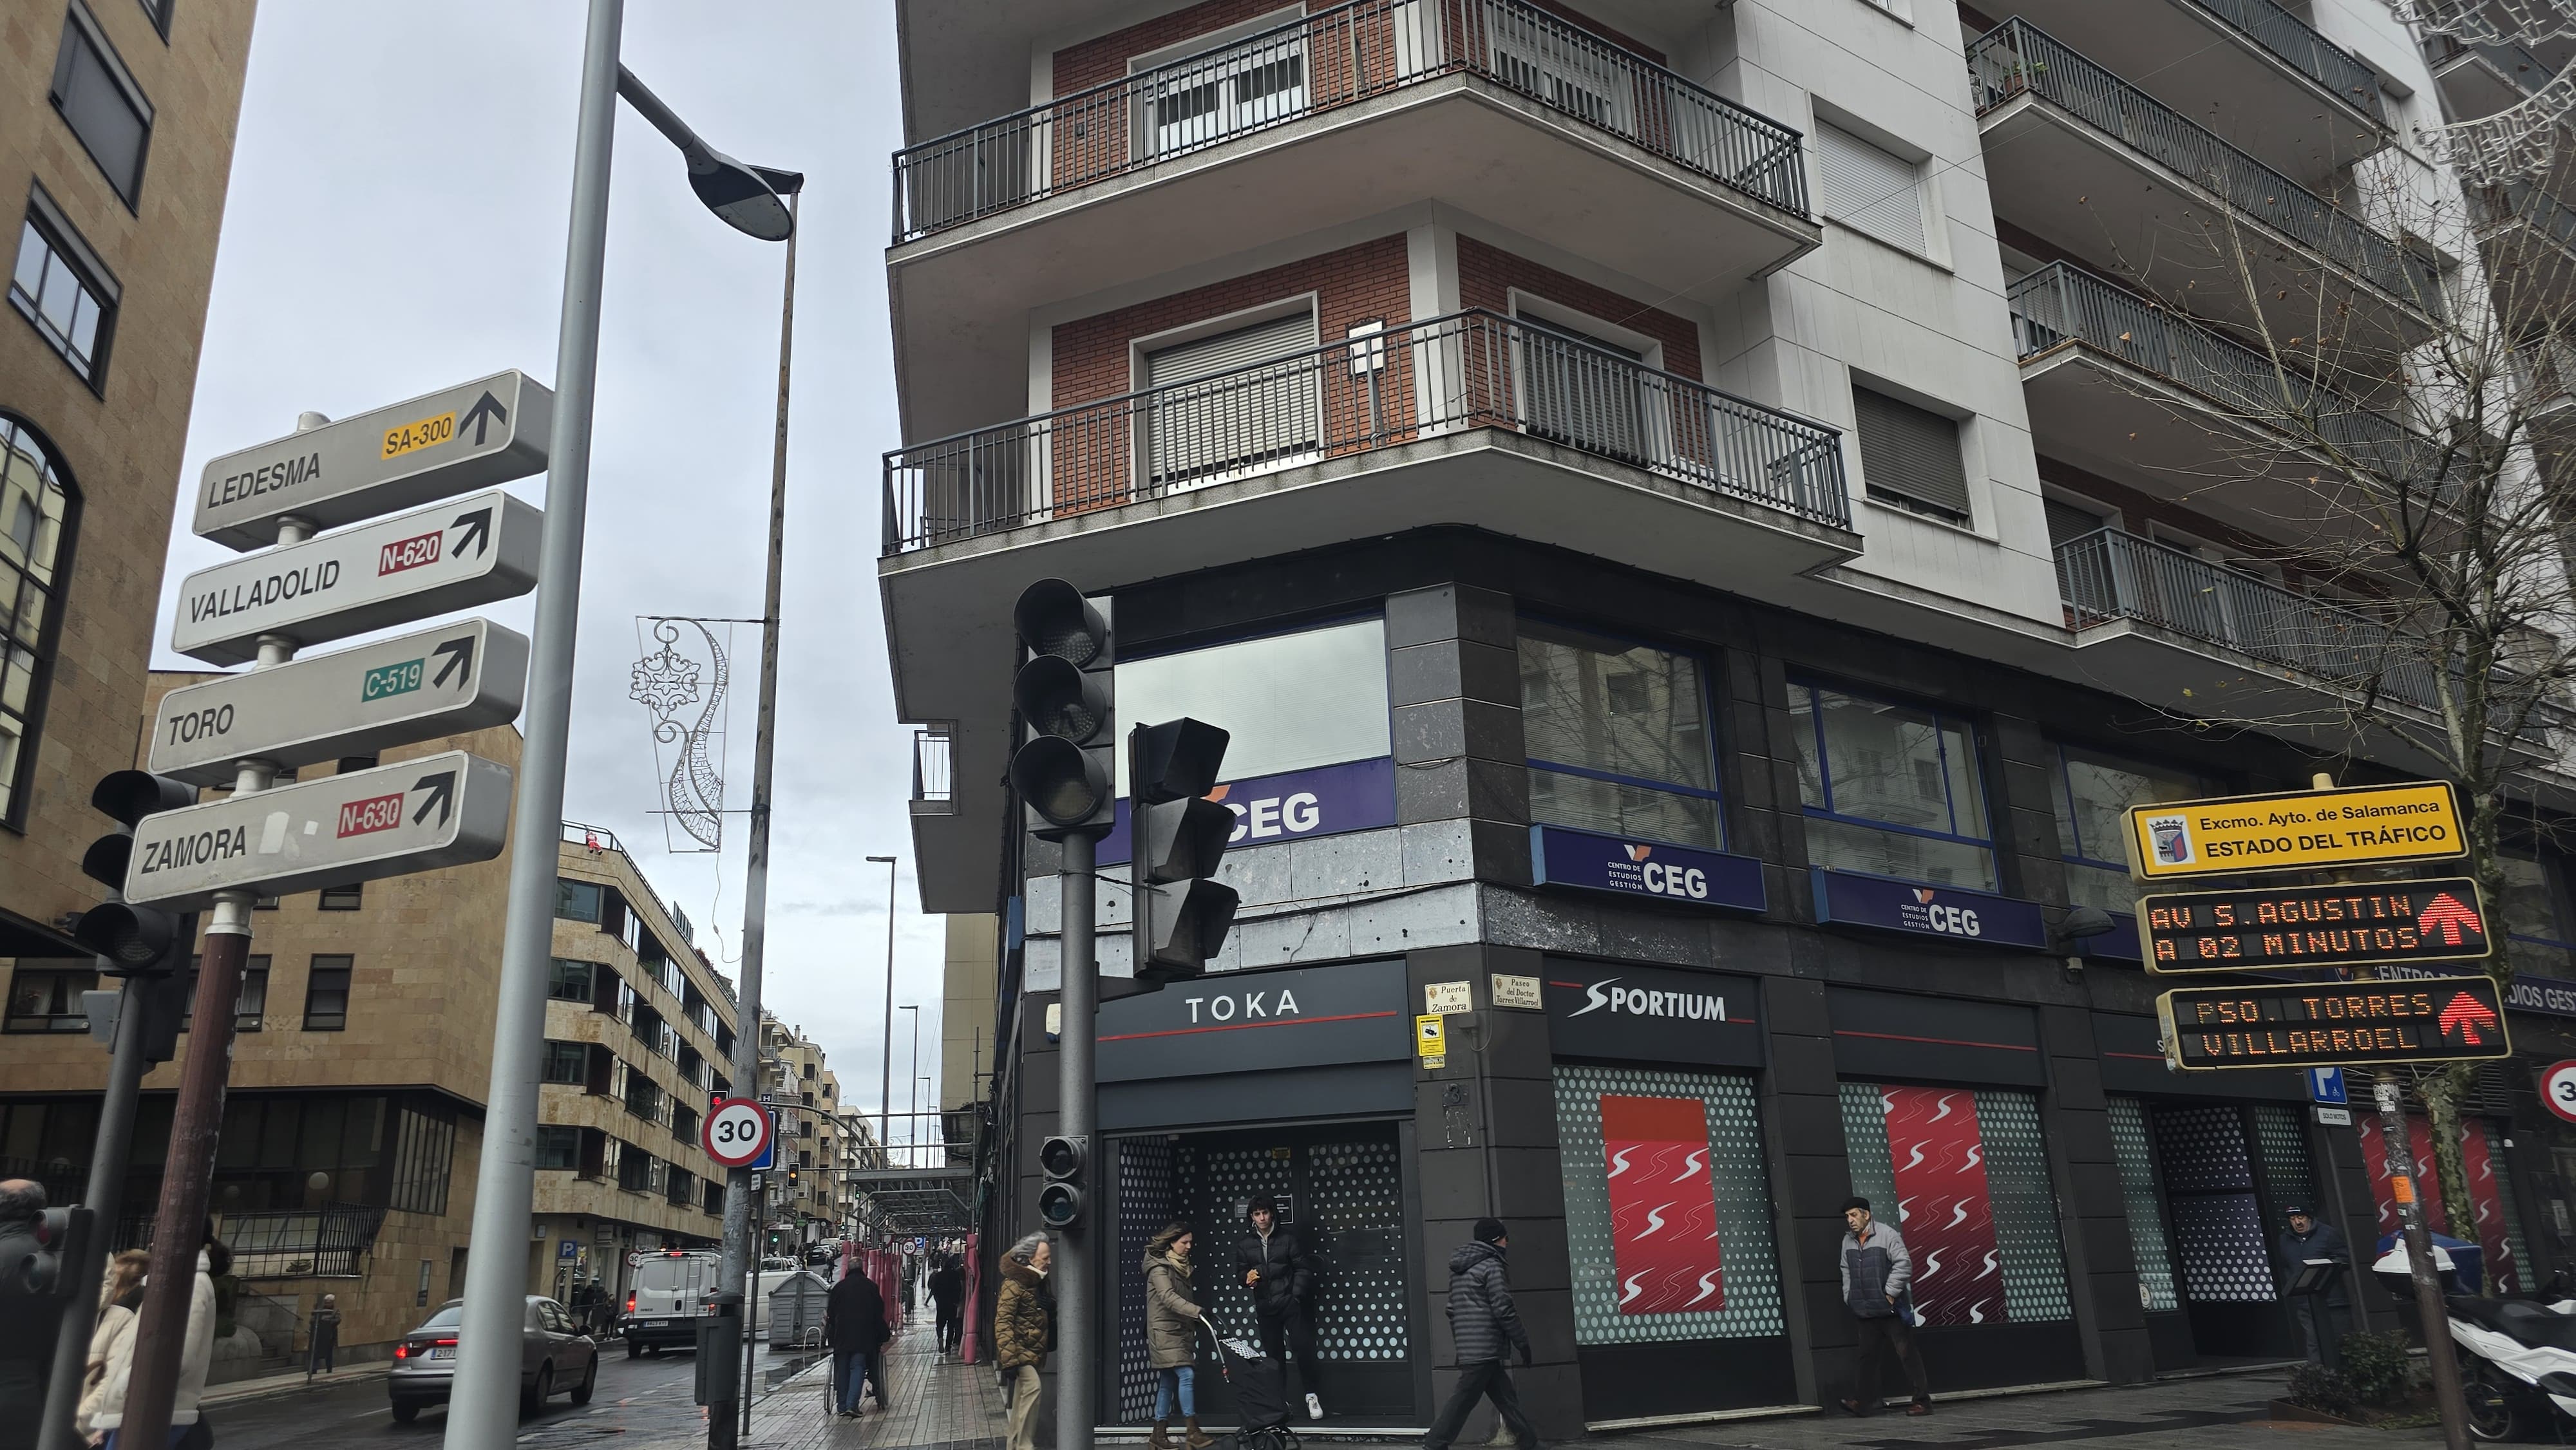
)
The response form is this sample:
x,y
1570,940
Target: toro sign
x,y
2296,830
736,1132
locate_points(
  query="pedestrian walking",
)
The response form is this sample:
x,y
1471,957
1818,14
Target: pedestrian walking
x,y
2318,1310
1483,1323
120,1301
948,1293
27,1321
189,1430
322,1342
1023,1332
1172,1317
854,1327
1877,1274
1280,1275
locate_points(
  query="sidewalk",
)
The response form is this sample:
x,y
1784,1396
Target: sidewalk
x,y
236,1392
936,1405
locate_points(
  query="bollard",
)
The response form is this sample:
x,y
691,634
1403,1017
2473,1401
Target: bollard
x,y
719,1383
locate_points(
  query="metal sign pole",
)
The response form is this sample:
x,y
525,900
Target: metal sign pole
x,y
2400,1151
1073,1274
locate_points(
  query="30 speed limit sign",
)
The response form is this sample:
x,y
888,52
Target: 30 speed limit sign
x,y
736,1133
2558,1089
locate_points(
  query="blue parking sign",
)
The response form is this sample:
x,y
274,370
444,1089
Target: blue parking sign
x,y
2325,1085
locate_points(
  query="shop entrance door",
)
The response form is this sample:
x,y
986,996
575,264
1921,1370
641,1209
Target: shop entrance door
x,y
2205,1185
1345,1190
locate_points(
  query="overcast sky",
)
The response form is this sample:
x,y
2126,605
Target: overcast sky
x,y
396,224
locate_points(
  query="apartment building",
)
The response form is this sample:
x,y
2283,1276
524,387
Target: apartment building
x,y
117,161
1698,519
639,1029
810,1203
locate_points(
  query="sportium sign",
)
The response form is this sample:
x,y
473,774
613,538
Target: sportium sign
x,y
2296,830
2433,1019
2438,920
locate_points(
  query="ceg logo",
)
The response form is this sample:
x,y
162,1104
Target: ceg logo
x,y
1927,912
1642,873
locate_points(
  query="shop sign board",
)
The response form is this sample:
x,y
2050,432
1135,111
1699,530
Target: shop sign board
x,y
1259,1021
2315,1024
1943,913
1326,800
1645,870
1653,1014
2298,830
2441,919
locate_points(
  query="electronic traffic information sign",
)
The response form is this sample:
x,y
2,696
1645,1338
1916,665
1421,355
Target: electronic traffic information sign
x,y
2432,1019
2267,928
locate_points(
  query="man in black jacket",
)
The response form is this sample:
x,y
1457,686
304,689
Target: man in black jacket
x,y
27,1323
1483,1321
2319,1314
854,1324
1276,1270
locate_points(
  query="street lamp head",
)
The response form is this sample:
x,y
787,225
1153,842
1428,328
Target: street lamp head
x,y
882,860
741,194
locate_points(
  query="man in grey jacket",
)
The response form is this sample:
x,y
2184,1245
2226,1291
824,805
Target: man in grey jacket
x,y
1482,1320
1876,1273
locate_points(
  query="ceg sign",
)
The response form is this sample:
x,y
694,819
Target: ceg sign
x,y
1328,800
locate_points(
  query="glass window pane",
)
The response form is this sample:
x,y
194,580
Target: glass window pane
x,y
1886,762
1846,846
2530,905
55,302
32,251
1290,701
2093,793
1615,808
84,330
1604,705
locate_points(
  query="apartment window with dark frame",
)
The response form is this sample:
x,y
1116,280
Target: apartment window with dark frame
x,y
59,285
101,104
250,1005
567,1063
326,994
570,981
579,900
558,1148
48,999
1910,457
341,898
1618,737
2093,790
2535,922
39,515
158,11
424,1157
1891,789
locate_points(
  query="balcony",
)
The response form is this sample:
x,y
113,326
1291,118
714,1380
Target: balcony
x,y
2480,80
2120,386
2087,161
1474,418
1346,114
2529,238
2301,103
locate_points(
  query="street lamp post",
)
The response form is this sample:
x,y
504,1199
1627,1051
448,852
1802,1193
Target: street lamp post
x,y
885,1080
912,1119
482,1413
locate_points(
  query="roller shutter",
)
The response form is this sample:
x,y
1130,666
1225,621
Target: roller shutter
x,y
1215,407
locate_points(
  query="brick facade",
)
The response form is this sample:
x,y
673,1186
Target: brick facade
x,y
1487,275
1105,58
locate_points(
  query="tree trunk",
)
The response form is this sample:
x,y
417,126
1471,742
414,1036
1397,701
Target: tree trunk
x,y
2441,1091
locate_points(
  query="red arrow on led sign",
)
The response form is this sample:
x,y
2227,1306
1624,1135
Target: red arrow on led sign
x,y
2448,916
2467,1014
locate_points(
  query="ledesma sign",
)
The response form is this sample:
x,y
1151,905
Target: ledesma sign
x,y
2296,830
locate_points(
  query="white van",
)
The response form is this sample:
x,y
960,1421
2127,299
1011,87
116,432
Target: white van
x,y
669,1294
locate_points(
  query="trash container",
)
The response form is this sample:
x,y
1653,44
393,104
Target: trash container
x,y
795,1311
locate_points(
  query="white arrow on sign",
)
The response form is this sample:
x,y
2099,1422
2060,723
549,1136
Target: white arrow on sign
x,y
450,556
415,815
442,681
475,435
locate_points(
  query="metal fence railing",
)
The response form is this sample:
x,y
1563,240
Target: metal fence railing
x,y
1331,58
2061,302
329,1242
2017,58
2113,575
1473,369
2293,40
934,771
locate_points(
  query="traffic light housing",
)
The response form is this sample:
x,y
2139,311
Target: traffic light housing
x,y
1179,837
159,1001
1061,1159
130,940
1065,774
62,1240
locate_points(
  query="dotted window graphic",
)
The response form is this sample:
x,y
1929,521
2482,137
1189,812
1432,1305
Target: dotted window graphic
x,y
2145,1211
1355,1194
1218,1184
2281,1157
1873,1173
2025,1207
2218,1227
1144,1206
1740,1182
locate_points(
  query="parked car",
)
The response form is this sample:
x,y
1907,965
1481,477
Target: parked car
x,y
553,1354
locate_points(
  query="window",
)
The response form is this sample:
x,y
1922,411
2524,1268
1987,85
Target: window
x,y
1618,738
567,1062
250,1008
420,1299
2535,940
341,898
60,286
638,1172
578,900
1290,701
2093,791
684,1122
559,1148
49,999
1869,188
424,1152
1893,790
643,1097
326,995
1239,414
159,10
1584,390
36,524
1916,1146
569,981
101,103
1257,83
682,1189
715,1197
1909,457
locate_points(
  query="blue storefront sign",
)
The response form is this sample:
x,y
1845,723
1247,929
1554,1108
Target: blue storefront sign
x,y
1327,800
1678,875
1947,913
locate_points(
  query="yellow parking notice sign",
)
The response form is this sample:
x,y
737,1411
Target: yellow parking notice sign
x,y
1431,1039
2296,831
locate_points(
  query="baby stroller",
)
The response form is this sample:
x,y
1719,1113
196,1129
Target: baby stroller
x,y
1260,1386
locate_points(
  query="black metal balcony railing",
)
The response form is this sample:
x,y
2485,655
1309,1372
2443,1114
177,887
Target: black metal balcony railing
x,y
1473,369
934,771
1328,59
2113,575
2017,58
2320,59
2060,302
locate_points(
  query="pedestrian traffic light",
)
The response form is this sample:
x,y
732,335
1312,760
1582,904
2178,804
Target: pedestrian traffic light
x,y
1061,1159
62,1239
1179,837
129,940
1065,772
159,1001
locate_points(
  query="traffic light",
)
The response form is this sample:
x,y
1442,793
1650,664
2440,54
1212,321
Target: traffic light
x,y
1065,772
160,1003
62,1238
1060,1198
130,940
1179,837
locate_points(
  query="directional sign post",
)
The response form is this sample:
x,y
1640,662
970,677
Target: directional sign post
x,y
393,571
472,436
442,681
415,815
2438,920
2325,1024
2296,830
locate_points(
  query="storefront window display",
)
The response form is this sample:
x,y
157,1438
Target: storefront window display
x,y
2482,1151
2143,1207
1967,1172
1890,790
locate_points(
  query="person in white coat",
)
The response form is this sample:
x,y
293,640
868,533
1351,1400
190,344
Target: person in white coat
x,y
188,1430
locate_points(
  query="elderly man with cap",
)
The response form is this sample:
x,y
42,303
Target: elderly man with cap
x,y
2319,1310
